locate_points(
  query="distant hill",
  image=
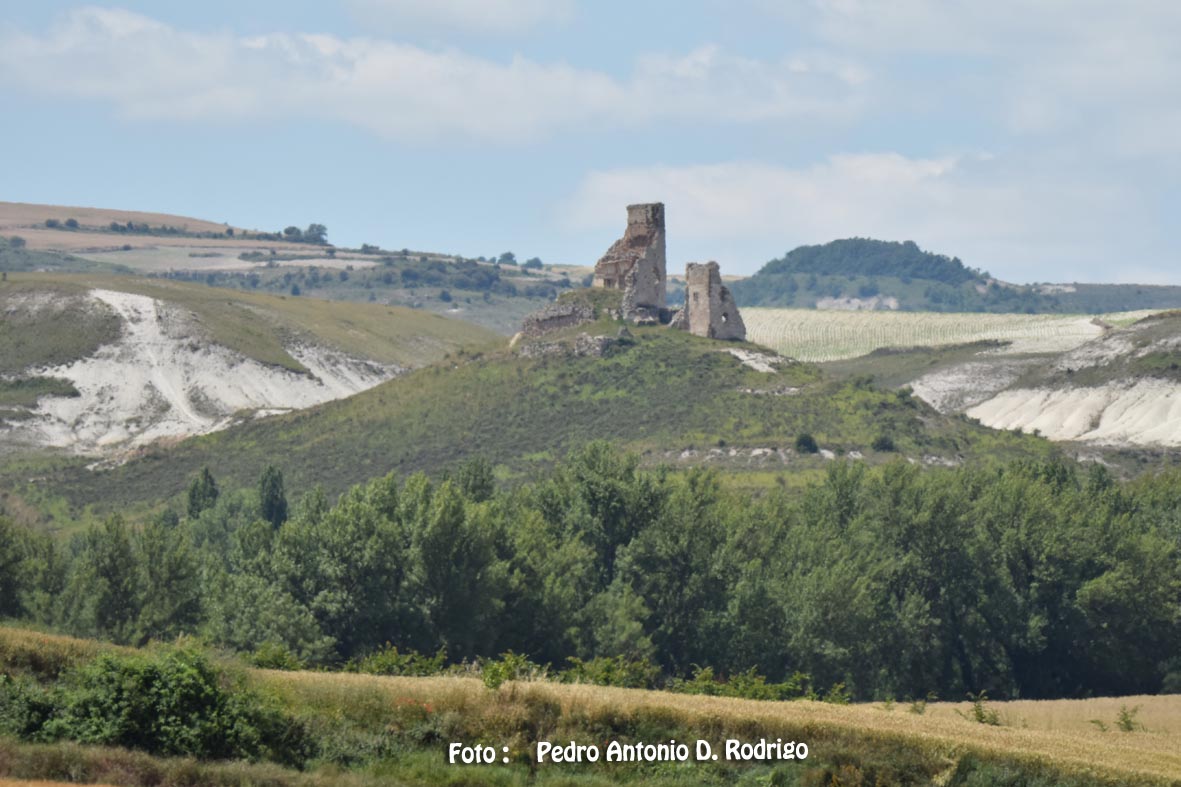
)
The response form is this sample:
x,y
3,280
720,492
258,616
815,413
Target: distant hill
x,y
493,293
863,273
869,257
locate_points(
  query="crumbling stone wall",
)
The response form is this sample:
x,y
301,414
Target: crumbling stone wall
x,y
709,308
556,316
636,262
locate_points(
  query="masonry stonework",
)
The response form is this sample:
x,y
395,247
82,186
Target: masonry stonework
x,y
709,308
636,262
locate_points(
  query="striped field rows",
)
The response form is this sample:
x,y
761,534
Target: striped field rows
x,y
818,335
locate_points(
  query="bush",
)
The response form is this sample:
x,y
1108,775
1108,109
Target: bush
x,y
883,442
172,704
612,671
510,666
806,444
388,661
273,655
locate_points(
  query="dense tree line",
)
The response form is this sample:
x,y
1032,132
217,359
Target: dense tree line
x,y
393,273
1030,579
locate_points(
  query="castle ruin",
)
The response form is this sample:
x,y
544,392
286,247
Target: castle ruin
x,y
709,308
636,264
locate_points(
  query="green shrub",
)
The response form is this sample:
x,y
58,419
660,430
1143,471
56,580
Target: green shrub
x,y
883,442
388,661
510,666
612,671
1126,720
744,685
274,655
174,703
981,713
806,444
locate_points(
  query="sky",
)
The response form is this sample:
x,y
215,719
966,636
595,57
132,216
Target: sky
x,y
1036,141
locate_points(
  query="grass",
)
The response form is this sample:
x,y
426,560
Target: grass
x,y
19,394
260,326
25,391
375,730
892,367
47,323
668,394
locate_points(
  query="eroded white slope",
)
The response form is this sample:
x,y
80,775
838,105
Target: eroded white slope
x,y
1128,409
1145,412
155,382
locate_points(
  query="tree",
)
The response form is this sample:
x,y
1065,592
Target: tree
x,y
103,596
293,233
533,263
272,498
16,242
203,493
11,570
72,223
508,258
171,588
316,233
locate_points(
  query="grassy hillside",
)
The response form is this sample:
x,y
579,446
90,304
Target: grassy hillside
x,y
361,730
14,256
491,295
259,326
674,397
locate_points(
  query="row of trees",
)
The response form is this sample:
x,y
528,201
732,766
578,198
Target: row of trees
x,y
1033,579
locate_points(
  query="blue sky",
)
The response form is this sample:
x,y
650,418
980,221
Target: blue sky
x,y
1039,141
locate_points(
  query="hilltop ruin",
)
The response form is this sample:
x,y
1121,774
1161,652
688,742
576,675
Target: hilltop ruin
x,y
635,264
709,308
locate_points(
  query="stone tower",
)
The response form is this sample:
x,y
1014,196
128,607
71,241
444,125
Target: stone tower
x,y
709,309
635,263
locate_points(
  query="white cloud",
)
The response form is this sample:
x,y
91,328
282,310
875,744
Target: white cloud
x,y
988,211
1102,73
151,70
479,16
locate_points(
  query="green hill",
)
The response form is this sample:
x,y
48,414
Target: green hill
x,y
869,257
258,326
868,273
673,397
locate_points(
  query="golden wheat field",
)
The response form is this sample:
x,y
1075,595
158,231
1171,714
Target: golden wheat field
x,y
1054,732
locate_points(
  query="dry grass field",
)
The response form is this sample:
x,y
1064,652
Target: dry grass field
x,y
818,335
27,220
26,214
1055,733
1048,737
